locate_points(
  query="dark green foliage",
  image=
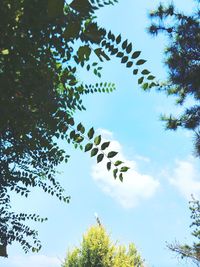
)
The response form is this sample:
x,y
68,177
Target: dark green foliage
x,y
105,145
112,45
112,154
43,43
182,57
190,252
88,147
108,165
115,171
94,152
100,158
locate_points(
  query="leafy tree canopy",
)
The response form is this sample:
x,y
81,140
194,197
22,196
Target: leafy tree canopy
x,y
183,61
43,43
97,250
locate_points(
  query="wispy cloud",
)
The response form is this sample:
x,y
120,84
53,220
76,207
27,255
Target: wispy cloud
x,y
135,187
186,177
33,261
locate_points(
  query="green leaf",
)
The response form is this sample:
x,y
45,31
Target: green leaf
x,y
100,158
129,48
120,54
72,134
129,64
91,133
118,39
124,169
112,154
115,171
153,84
108,165
94,152
88,147
79,139
135,71
105,55
145,72
124,44
84,52
140,80
80,128
136,54
145,86
118,162
124,59
150,77
140,62
100,53
121,177
110,35
97,140
70,121
114,51
105,145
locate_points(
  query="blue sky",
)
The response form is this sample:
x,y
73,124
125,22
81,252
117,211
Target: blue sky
x,y
151,207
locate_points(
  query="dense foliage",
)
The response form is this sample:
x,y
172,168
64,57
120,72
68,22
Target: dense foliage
x,y
191,252
42,46
183,62
97,250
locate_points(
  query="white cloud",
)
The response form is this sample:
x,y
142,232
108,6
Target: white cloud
x,y
135,187
186,177
33,261
141,158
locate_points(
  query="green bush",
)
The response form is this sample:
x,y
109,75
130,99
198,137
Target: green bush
x,y
97,250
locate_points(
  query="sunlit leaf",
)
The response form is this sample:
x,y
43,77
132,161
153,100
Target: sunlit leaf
x,y
124,169
97,140
118,162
